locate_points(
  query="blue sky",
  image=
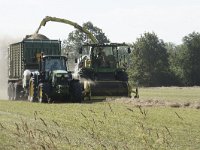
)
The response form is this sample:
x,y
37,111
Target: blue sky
x,y
121,20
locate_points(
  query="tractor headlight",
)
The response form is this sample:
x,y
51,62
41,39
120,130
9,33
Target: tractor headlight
x,y
66,76
58,75
62,75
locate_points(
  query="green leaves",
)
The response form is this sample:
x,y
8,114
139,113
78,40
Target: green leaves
x,y
76,38
149,60
184,60
191,58
155,63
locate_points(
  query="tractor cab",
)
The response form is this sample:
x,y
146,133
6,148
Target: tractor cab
x,y
54,69
108,57
54,82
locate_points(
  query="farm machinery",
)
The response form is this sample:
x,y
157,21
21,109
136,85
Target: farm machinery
x,y
39,77
101,69
29,76
100,78
53,81
68,22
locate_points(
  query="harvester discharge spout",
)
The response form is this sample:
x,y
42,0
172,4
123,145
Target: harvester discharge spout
x,y
65,21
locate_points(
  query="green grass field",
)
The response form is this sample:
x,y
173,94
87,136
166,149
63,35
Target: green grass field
x,y
189,94
102,125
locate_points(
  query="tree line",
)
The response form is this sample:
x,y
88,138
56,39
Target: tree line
x,y
156,63
153,62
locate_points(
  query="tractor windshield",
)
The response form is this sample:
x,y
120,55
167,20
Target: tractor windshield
x,y
52,64
105,57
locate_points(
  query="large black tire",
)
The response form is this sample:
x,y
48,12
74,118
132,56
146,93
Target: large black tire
x,y
16,91
43,92
32,94
76,92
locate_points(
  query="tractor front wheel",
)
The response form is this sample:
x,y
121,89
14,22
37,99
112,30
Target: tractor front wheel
x,y
32,95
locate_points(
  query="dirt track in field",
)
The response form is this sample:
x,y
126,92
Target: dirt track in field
x,y
155,103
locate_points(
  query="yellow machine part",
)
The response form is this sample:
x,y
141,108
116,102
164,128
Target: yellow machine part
x,y
106,89
87,63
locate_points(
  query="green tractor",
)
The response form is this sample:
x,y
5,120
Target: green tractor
x,y
53,83
102,70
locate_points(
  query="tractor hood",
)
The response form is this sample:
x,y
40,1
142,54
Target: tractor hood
x,y
60,77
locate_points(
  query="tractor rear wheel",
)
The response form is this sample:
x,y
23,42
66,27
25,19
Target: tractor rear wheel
x,y
43,93
32,95
76,92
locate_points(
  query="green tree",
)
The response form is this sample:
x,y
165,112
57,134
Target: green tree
x,y
76,38
190,57
149,61
175,53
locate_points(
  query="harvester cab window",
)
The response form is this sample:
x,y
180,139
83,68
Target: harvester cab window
x,y
105,57
100,56
123,56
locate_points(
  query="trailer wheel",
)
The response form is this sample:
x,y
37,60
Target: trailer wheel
x,y
16,91
32,95
76,92
10,90
43,93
